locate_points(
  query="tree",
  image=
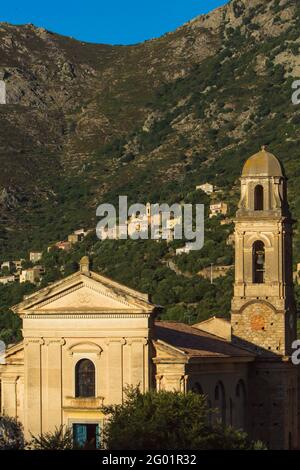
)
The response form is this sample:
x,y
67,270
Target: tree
x,y
60,439
11,434
168,421
26,264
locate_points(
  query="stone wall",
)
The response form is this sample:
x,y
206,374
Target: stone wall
x,y
260,328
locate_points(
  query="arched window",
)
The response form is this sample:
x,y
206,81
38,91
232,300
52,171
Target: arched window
x,y
259,198
231,412
241,404
220,401
258,262
85,378
209,415
240,391
197,388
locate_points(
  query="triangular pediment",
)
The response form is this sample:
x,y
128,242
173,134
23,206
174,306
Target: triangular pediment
x,y
13,355
80,293
167,351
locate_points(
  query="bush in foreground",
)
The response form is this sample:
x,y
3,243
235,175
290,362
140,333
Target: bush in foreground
x,y
60,439
11,434
169,421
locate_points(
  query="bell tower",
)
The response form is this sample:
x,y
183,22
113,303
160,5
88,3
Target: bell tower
x,y
263,307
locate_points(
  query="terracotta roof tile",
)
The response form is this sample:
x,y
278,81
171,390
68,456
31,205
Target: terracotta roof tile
x,y
196,343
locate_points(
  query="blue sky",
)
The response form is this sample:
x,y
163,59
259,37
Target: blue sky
x,y
106,21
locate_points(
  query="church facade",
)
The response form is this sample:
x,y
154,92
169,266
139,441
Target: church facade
x,y
86,337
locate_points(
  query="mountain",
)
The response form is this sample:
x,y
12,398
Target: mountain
x,y
66,101
85,122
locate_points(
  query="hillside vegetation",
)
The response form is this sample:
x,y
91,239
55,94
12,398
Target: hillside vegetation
x,y
86,123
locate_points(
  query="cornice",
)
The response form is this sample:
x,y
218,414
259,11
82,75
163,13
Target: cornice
x,y
83,315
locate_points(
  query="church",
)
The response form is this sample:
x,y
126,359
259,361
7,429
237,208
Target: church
x,y
86,337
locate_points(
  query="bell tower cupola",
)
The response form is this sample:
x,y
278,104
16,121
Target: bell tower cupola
x,y
263,185
263,307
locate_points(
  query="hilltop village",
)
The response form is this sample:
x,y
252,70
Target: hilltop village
x,y
32,270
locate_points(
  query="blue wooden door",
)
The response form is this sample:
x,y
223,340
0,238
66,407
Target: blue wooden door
x,y
86,435
80,434
98,436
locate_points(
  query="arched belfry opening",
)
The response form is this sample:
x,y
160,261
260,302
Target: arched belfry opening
x,y
259,198
259,260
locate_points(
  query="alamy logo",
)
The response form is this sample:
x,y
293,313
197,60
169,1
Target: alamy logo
x,y
296,353
2,352
152,221
2,92
296,94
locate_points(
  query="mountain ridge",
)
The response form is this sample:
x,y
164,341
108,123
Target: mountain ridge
x,y
87,123
92,117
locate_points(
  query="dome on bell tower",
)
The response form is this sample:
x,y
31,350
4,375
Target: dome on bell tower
x,y
263,164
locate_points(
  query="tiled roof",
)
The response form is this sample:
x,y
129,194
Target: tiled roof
x,y
197,343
